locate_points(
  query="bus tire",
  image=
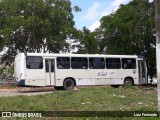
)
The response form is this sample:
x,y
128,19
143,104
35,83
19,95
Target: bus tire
x,y
128,82
68,84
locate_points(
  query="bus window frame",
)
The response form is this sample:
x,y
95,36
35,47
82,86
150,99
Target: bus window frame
x,y
120,63
85,66
29,63
91,66
60,66
125,65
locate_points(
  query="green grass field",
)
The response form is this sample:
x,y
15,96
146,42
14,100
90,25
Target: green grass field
x,y
86,99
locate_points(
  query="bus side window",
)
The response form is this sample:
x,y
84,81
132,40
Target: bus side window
x,y
59,66
113,63
79,63
52,65
34,62
47,65
96,63
63,63
128,63
28,65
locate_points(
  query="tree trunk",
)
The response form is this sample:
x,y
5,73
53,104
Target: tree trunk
x,y
157,23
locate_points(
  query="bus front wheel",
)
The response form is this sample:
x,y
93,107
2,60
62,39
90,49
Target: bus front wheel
x,y
128,82
68,84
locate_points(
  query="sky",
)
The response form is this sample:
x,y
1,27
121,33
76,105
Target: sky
x,y
93,11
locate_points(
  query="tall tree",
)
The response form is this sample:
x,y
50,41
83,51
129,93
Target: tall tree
x,y
35,25
130,30
62,25
157,22
88,42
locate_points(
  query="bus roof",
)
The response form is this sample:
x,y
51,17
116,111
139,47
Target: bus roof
x,y
79,55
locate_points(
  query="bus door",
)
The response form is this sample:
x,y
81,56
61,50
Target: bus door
x,y
50,71
143,79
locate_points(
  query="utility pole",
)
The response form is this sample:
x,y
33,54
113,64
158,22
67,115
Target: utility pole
x,y
157,25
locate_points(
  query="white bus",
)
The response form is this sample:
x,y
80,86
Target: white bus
x,y
69,70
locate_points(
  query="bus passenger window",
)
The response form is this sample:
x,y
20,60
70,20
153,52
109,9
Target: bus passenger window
x,y
52,65
128,63
113,63
34,62
47,65
79,63
96,63
63,63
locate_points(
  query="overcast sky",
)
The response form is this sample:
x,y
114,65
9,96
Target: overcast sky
x,y
93,10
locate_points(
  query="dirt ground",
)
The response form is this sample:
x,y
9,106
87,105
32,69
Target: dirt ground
x,y
28,91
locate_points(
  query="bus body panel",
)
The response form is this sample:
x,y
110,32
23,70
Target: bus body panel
x,y
35,77
19,68
80,75
40,77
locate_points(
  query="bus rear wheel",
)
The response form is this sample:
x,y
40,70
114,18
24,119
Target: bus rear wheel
x,y
128,82
68,84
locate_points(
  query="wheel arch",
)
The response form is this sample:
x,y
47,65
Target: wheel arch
x,y
128,77
72,79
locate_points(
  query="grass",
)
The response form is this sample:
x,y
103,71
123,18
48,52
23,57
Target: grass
x,y
87,99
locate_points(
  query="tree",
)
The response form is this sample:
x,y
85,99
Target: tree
x,y
62,25
88,42
35,25
130,30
